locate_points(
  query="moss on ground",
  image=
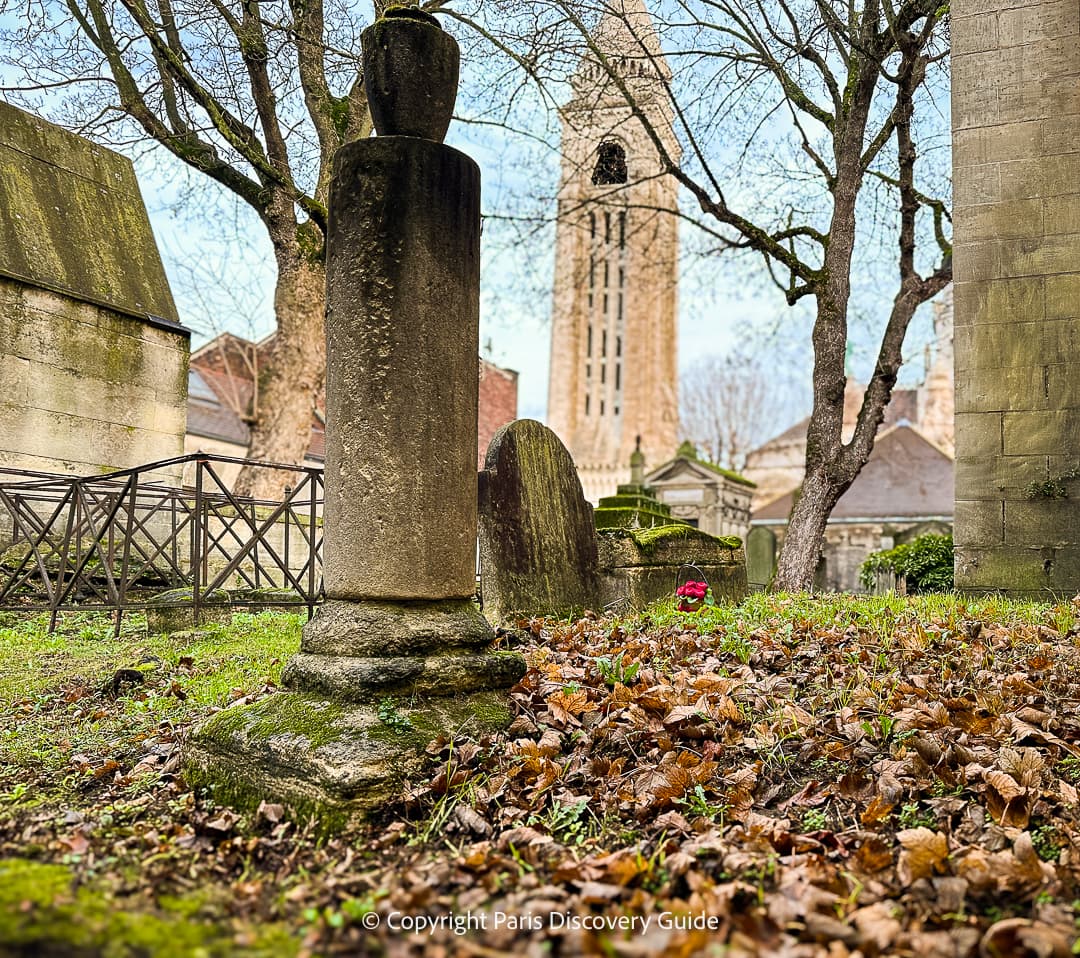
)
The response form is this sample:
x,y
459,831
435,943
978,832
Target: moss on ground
x,y
43,913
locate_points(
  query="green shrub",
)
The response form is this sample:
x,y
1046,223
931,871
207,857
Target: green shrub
x,y
926,563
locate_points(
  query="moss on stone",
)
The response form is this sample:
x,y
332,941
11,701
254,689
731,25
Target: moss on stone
x,y
232,787
688,451
266,751
61,195
632,518
183,597
422,722
629,501
288,713
268,595
63,919
649,539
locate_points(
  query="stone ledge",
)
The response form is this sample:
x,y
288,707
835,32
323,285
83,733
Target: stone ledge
x,y
366,679
666,545
409,628
335,762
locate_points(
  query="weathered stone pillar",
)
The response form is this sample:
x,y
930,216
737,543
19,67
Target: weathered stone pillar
x,y
398,652
1016,159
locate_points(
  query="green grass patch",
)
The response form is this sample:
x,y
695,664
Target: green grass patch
x,y
873,614
80,698
43,912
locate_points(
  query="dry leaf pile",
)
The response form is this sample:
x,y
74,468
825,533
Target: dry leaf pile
x,y
805,784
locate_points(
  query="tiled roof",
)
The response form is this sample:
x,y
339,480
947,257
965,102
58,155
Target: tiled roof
x,y
217,389
208,416
906,476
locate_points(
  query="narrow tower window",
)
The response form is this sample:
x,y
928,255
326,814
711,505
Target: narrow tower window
x,y
610,169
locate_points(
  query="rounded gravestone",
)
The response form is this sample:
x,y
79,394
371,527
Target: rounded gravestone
x,y
760,556
538,552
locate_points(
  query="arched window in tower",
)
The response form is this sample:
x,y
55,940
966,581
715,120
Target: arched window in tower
x,y
610,169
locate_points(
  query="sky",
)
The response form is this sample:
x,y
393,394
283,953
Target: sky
x,y
719,305
221,270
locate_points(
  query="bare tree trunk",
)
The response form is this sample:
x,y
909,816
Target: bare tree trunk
x,y
805,534
295,375
826,478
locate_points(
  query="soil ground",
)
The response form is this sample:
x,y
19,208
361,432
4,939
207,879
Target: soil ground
x,y
793,776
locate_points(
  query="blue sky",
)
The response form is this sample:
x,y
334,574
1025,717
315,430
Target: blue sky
x,y
722,301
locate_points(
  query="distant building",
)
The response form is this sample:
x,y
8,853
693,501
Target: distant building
x,y
222,397
614,334
904,490
777,466
93,359
906,487
711,499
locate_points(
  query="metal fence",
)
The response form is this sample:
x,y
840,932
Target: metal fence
x,y
123,541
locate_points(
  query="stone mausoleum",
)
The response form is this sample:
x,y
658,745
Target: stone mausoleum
x,y
93,358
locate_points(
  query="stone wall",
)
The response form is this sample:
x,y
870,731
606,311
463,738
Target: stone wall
x,y
93,360
1016,159
86,390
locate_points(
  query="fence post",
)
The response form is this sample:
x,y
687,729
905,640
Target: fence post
x,y
313,482
196,544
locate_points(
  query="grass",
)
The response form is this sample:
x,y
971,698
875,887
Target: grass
x,y
873,614
70,705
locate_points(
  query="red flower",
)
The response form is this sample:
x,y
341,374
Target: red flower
x,y
693,590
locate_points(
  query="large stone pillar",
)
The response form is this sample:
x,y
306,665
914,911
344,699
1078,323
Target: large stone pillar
x,y
402,385
398,653
1016,177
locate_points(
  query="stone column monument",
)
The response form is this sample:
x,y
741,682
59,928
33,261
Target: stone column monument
x,y
1016,160
398,653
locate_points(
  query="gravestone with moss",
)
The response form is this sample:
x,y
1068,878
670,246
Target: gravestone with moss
x,y
541,553
537,541
641,565
399,653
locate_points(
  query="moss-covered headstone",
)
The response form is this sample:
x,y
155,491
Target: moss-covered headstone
x,y
542,553
537,539
760,556
398,654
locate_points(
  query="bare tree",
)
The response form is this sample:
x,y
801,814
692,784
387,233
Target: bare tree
x,y
221,302
255,94
798,122
731,404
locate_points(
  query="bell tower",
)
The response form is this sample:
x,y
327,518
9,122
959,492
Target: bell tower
x,y
614,362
